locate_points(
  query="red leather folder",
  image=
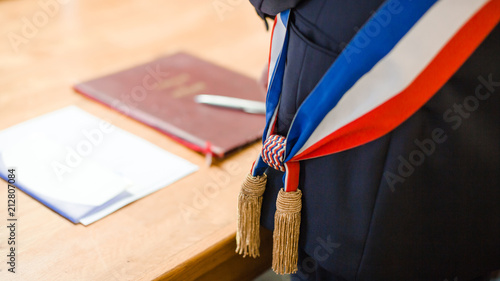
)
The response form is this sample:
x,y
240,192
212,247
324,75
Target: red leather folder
x,y
161,94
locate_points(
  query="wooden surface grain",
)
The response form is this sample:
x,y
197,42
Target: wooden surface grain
x,y
44,50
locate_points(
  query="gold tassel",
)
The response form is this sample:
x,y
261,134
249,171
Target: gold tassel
x,y
249,205
286,232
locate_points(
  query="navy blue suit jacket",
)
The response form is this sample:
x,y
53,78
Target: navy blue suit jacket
x,y
369,213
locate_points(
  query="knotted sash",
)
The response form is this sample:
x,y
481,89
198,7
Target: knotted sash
x,y
403,54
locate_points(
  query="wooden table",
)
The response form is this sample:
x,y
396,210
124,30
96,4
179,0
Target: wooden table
x,y
184,231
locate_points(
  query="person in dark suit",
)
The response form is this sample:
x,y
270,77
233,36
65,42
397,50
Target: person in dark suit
x,y
440,220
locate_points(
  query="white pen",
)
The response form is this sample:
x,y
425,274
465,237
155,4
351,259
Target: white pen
x,y
249,106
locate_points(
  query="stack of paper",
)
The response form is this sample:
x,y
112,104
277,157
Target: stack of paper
x,y
83,167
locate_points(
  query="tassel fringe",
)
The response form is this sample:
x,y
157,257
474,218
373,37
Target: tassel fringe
x,y
249,206
286,232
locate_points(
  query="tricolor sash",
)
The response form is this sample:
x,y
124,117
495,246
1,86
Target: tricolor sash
x,y
400,58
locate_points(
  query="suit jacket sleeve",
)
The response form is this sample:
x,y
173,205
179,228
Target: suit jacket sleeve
x,y
270,8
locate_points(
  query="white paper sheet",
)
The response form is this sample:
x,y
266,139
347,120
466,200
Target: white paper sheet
x,y
83,167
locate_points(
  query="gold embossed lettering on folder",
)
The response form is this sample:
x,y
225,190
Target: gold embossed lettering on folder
x,y
161,94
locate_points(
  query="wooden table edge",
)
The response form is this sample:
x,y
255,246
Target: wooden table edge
x,y
221,262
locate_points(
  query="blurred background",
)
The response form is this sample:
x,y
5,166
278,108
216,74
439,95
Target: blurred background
x,y
47,46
